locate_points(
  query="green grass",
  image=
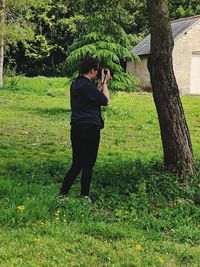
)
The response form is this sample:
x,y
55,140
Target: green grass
x,y
141,216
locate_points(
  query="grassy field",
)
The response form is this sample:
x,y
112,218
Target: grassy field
x,y
141,215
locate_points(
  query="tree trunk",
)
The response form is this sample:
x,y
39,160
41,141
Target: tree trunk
x,y
175,134
2,7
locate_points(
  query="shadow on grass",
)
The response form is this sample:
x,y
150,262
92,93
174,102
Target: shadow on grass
x,y
46,112
52,111
116,179
56,112
132,191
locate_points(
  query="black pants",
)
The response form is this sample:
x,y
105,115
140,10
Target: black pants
x,y
85,143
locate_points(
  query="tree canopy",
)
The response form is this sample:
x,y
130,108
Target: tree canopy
x,y
47,37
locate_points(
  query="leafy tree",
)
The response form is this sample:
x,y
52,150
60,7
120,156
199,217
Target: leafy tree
x,y
54,31
104,38
13,25
57,23
183,8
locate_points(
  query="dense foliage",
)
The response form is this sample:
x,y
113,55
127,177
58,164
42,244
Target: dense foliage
x,y
106,29
182,8
104,38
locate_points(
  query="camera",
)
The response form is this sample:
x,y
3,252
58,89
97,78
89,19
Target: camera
x,y
100,72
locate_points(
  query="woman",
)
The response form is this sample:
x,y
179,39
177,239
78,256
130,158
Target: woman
x,y
86,122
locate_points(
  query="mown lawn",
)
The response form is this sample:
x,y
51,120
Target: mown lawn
x,y
141,215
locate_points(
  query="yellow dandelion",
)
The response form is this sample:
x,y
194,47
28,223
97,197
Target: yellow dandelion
x,y
40,222
37,239
57,213
162,261
21,208
138,248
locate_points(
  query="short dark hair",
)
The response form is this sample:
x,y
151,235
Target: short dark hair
x,y
88,63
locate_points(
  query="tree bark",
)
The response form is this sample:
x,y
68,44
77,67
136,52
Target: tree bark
x,y
176,141
2,7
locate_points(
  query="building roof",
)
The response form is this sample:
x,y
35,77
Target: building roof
x,y
178,28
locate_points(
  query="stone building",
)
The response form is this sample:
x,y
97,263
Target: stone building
x,y
186,56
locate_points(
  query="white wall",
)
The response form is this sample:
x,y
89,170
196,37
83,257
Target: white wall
x,y
184,47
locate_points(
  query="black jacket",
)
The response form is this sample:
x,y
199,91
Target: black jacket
x,y
86,101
